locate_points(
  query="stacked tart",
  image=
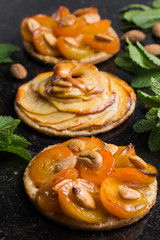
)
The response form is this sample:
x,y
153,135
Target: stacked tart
x,y
88,184
81,36
76,99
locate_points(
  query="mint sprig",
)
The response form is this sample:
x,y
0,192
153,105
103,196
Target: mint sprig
x,y
6,49
10,142
152,121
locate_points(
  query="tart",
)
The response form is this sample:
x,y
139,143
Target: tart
x,y
81,36
76,99
87,184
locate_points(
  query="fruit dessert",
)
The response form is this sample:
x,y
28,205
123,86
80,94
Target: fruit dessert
x,y
87,184
74,100
81,35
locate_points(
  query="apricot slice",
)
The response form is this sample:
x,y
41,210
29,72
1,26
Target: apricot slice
x,y
71,31
47,198
136,176
60,13
43,165
97,27
83,11
42,45
110,47
122,156
71,52
98,174
73,208
112,201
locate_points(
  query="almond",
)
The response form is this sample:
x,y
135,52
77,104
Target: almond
x,y
72,41
50,39
153,49
76,145
18,71
90,158
103,37
68,162
69,20
156,29
133,35
32,24
91,17
129,193
111,148
138,162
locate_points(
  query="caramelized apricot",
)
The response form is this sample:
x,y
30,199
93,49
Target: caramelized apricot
x,y
73,208
110,47
97,174
27,35
122,156
43,165
42,45
60,13
47,198
83,11
73,30
71,52
97,27
120,207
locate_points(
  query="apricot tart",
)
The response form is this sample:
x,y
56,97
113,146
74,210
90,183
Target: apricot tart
x,y
81,36
74,100
88,184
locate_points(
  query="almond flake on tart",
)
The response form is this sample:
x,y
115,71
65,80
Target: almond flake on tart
x,y
81,183
84,37
76,99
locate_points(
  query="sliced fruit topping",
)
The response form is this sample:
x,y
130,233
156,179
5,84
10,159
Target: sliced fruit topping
x,y
97,27
122,156
60,13
83,11
120,199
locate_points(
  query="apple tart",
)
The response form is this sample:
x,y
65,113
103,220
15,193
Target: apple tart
x,y
87,184
81,36
76,99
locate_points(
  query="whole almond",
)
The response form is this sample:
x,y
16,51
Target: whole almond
x,y
133,35
103,37
156,29
129,193
18,71
153,49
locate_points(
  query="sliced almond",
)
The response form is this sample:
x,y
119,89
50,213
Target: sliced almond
x,y
129,193
32,24
91,158
68,162
103,37
76,145
50,39
83,197
111,148
91,17
72,41
69,20
60,184
138,162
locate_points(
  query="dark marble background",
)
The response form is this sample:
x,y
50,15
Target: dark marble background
x,y
18,218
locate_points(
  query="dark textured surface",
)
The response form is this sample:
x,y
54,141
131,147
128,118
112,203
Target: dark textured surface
x,y
18,218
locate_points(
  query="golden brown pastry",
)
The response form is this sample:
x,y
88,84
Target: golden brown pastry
x,y
87,184
81,36
74,100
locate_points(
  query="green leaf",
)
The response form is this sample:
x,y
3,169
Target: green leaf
x,y
129,15
5,51
155,85
9,128
19,141
3,143
144,126
127,64
17,150
147,18
4,120
128,25
6,60
158,114
156,3
133,6
150,56
152,114
143,78
154,139
150,101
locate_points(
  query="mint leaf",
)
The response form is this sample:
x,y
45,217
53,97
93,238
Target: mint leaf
x,y
156,3
19,141
129,15
4,120
150,101
143,79
9,128
144,126
3,143
154,139
17,150
158,114
147,18
133,6
127,64
155,85
6,49
152,114
150,56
